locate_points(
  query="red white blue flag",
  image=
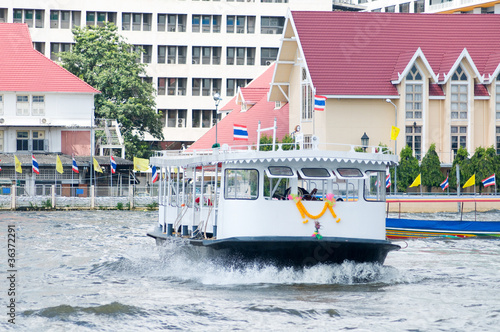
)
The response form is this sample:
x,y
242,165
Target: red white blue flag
x,y
444,184
112,163
319,103
34,164
489,181
154,176
75,166
388,180
240,132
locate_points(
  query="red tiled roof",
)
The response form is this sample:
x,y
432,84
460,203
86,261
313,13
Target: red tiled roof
x,y
262,110
435,90
357,53
22,68
480,90
253,95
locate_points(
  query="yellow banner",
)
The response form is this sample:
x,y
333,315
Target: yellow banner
x,y
19,169
141,164
59,166
394,133
416,182
97,167
470,182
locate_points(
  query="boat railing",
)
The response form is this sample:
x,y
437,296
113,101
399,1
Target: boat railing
x,y
277,147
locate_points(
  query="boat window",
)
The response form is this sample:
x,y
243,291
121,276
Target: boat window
x,y
275,187
350,173
315,173
375,186
280,171
241,184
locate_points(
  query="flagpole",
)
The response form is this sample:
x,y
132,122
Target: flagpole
x,y
72,171
111,174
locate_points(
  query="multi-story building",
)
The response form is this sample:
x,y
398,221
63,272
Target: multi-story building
x,y
193,48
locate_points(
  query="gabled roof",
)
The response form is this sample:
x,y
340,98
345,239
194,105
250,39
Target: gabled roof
x,y
356,53
24,69
262,111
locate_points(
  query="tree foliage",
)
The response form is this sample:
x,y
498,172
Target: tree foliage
x,y
462,160
408,169
431,168
102,58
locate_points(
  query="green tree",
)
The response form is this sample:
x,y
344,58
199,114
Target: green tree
x,y
482,164
462,160
408,168
431,168
102,58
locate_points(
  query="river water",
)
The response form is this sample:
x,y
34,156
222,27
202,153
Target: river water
x,y
98,271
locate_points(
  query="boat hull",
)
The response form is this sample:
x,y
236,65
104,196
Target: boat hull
x,y
414,228
292,251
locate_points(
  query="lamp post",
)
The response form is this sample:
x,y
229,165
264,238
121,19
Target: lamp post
x,y
364,141
217,100
395,145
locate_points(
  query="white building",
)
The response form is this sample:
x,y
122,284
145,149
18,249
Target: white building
x,y
193,48
421,6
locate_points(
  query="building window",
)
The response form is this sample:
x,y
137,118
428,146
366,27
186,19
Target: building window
x,y
307,102
3,15
172,54
206,55
240,24
26,16
38,105
1,140
268,55
174,22
414,140
414,94
404,7
238,55
100,18
207,86
176,118
56,48
204,118
232,85
271,25
459,94
140,21
206,23
458,138
39,46
419,6
22,140
23,105
172,86
38,140
390,9
144,52
1,105
498,140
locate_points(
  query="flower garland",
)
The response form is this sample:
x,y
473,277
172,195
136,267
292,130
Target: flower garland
x,y
329,204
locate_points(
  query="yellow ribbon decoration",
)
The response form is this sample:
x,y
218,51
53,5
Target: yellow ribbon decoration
x,y
304,212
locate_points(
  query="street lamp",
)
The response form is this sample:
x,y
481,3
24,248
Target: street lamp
x,y
217,100
395,145
364,141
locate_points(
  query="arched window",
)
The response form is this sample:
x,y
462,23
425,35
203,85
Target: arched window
x,y
459,95
414,88
307,97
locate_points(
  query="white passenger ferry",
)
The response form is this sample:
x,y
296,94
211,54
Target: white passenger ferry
x,y
297,207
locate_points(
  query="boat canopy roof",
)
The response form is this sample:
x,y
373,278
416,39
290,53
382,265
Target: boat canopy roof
x,y
212,157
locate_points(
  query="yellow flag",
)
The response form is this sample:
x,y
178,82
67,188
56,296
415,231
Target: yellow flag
x,y
394,133
141,164
97,167
470,182
59,166
18,165
416,182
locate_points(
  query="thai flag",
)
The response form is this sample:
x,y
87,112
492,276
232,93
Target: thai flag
x,y
444,184
240,132
388,181
489,181
319,103
75,166
112,163
35,164
154,176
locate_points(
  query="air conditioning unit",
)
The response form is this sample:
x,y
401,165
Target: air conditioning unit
x,y
2,120
268,63
44,121
195,61
180,123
